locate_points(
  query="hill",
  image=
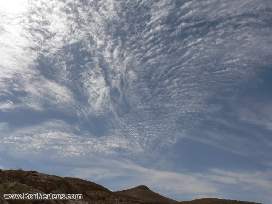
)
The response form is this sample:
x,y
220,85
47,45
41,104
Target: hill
x,y
145,194
19,181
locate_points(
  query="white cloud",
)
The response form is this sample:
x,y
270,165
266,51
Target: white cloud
x,y
118,67
7,105
164,181
13,6
198,184
60,139
38,93
150,77
261,180
45,92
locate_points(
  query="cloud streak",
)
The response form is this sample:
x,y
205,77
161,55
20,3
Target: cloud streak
x,y
129,78
148,72
209,184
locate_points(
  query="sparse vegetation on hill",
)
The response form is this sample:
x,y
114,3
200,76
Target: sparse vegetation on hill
x,y
19,181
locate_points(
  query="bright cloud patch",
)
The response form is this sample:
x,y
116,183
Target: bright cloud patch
x,y
135,79
13,6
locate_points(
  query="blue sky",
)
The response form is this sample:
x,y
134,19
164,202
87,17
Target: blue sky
x,y
175,95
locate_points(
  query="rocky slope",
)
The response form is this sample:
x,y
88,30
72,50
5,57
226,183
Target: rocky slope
x,y
19,181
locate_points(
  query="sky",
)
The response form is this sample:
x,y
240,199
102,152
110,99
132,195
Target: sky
x,y
173,94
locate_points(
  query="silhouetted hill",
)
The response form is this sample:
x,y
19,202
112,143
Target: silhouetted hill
x,y
145,194
19,181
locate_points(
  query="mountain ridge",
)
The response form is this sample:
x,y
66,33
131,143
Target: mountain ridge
x,y
19,181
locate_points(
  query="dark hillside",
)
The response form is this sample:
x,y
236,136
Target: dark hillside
x,y
19,181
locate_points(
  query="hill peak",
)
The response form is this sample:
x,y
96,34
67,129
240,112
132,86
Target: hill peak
x,y
20,181
142,187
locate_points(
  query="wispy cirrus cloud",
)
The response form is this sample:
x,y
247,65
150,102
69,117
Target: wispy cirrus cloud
x,y
205,184
60,139
129,78
98,62
246,179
